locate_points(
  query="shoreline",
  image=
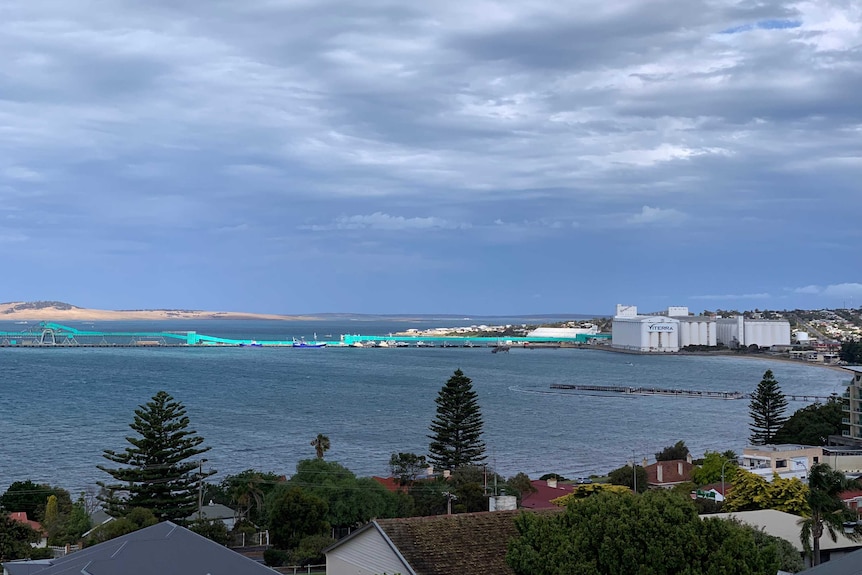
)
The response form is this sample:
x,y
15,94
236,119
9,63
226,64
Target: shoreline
x,y
721,354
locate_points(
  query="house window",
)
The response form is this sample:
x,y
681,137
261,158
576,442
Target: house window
x,y
816,459
779,463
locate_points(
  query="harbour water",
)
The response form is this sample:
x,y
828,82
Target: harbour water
x,y
259,407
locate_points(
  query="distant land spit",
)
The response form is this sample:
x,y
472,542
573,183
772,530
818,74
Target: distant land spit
x,y
59,311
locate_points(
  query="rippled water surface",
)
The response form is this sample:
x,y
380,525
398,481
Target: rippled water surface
x,y
260,408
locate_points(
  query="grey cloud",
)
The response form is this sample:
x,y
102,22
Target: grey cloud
x,y
748,296
649,215
618,106
382,221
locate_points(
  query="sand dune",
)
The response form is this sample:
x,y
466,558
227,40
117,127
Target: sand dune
x,y
59,311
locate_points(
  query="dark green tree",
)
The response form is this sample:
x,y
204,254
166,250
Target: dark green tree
x,y
15,539
519,485
789,559
78,522
351,501
159,471
827,511
407,466
626,477
657,533
709,470
813,424
310,550
247,491
136,518
767,408
295,514
673,452
851,352
212,530
428,497
467,483
32,497
456,431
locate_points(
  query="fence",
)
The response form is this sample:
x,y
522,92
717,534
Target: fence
x,y
306,569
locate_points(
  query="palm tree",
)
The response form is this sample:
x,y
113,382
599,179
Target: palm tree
x,y
246,491
828,512
320,444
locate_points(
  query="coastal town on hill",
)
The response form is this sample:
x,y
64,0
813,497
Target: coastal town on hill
x,y
321,518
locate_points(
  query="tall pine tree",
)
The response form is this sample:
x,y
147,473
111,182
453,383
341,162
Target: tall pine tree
x,y
767,408
456,431
157,473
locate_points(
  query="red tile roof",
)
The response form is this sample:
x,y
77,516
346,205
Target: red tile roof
x,y
390,483
21,517
541,499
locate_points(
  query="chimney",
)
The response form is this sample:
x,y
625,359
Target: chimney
x,y
446,474
688,458
430,471
658,472
552,482
644,462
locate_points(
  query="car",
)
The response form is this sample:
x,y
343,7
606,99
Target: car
x,y
584,480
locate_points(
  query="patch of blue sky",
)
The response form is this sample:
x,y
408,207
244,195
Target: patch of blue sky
x,y
763,25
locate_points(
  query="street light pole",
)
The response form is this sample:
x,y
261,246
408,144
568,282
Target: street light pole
x,y
201,489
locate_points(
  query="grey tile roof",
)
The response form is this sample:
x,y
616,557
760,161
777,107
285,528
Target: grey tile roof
x,y
163,549
213,511
850,564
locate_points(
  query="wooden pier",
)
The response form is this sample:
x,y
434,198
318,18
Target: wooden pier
x,y
688,393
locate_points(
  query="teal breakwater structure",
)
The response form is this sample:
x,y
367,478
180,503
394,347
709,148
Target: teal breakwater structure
x,y
48,334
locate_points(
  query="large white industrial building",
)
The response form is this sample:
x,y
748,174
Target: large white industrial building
x,y
740,332
644,332
675,329
563,331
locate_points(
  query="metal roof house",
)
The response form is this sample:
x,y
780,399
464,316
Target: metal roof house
x,y
786,526
164,548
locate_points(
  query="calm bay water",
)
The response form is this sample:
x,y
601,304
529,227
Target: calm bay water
x,y
261,407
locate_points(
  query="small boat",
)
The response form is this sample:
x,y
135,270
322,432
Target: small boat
x,y
303,343
252,343
499,348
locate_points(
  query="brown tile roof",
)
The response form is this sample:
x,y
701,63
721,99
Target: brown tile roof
x,y
462,544
668,472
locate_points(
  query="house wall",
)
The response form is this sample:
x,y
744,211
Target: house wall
x,y
781,458
368,553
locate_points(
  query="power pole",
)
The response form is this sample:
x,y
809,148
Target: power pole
x,y
449,498
201,489
634,472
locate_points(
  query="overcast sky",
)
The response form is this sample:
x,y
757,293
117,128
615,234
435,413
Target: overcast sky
x,y
463,156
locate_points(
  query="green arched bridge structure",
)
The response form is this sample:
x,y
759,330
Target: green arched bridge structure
x,y
53,334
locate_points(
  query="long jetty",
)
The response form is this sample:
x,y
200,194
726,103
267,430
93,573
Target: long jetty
x,y
687,393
